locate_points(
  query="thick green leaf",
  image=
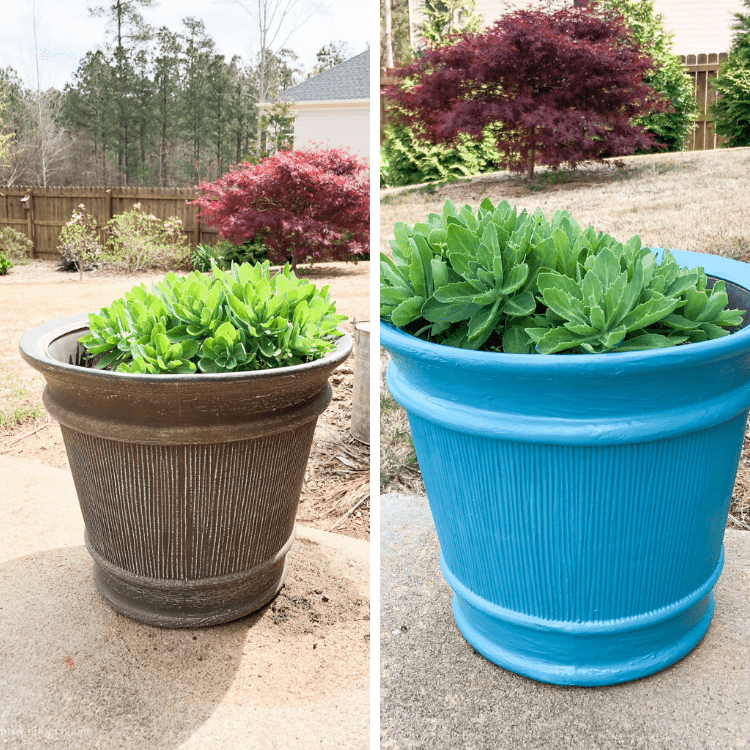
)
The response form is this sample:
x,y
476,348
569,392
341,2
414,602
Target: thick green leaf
x,y
440,274
462,241
483,322
449,312
516,278
557,340
565,306
520,305
517,341
407,311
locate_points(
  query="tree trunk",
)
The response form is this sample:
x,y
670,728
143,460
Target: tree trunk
x,y
388,34
532,158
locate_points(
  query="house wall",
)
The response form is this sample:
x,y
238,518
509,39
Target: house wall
x,y
333,124
699,26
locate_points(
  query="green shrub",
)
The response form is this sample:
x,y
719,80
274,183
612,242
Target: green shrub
x,y
673,127
5,264
78,242
204,257
224,253
14,244
408,160
731,110
251,251
138,241
504,281
236,320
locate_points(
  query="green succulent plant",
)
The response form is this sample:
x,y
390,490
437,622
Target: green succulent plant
x,y
236,320
502,280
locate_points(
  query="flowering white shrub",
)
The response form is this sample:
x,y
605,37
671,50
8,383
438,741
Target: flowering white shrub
x,y
138,241
78,242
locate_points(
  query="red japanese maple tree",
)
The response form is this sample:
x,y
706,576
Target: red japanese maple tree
x,y
558,87
306,203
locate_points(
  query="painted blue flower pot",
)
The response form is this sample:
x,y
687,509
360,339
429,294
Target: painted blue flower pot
x,y
580,500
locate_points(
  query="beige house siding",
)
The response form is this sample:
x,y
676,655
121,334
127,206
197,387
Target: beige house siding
x,y
333,123
699,26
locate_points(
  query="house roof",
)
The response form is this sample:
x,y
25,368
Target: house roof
x,y
347,80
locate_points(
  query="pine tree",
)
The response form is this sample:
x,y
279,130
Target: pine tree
x,y
166,100
128,31
447,18
90,108
330,55
219,102
244,114
731,111
195,113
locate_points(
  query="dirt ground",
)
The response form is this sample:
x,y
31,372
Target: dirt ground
x,y
697,201
336,492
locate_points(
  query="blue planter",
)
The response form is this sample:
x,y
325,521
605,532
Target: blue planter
x,y
580,500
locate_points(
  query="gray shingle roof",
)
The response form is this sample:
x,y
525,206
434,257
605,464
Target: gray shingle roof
x,y
348,80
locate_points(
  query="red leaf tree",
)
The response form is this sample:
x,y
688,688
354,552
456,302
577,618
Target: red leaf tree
x,y
306,203
559,87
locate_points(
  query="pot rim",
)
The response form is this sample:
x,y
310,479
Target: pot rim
x,y
726,269
34,346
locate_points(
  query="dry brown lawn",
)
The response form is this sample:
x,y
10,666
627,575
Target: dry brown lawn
x,y
697,201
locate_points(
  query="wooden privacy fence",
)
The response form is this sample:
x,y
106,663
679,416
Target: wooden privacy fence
x,y
41,212
702,69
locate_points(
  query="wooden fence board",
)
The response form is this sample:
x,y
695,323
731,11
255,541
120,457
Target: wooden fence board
x,y
40,213
703,69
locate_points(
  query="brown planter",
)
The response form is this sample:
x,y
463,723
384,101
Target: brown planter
x,y
188,484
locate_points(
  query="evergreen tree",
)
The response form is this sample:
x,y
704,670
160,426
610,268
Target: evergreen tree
x,y
89,107
731,111
244,113
446,18
219,101
166,100
195,113
128,31
143,119
330,55
673,126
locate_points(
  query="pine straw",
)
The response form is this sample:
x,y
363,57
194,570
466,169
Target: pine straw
x,y
348,461
399,471
739,511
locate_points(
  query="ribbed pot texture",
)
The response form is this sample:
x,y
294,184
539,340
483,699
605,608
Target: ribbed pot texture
x,y
188,484
580,500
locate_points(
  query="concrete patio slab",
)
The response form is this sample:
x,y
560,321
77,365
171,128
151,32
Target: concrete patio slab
x,y
438,693
76,674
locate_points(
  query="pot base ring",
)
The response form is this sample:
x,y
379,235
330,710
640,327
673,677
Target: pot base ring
x,y
170,603
590,653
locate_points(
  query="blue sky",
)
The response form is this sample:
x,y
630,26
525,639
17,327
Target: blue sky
x,y
66,32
